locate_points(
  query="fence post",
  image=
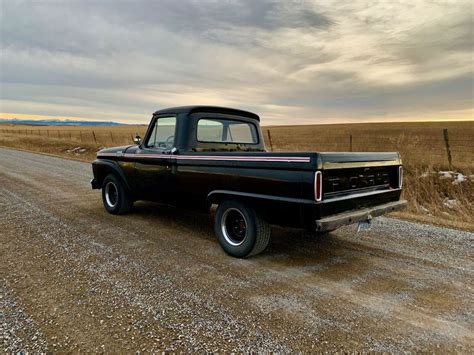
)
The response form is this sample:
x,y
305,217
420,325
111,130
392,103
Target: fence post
x,y
111,136
448,150
270,140
95,140
350,143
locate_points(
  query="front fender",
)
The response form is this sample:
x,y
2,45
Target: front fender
x,y
102,167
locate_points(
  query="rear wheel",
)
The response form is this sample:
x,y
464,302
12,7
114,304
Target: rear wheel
x,y
114,196
240,230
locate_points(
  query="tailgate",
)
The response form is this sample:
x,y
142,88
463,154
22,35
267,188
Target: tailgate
x,y
346,175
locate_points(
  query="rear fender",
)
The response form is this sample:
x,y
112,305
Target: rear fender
x,y
278,210
216,196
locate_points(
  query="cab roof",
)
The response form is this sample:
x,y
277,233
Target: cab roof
x,y
204,109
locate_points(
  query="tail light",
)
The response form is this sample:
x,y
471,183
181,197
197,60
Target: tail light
x,y
318,186
400,177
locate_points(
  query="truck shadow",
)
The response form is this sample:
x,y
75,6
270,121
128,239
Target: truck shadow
x,y
287,246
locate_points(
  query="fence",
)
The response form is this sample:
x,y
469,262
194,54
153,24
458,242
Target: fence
x,y
438,147
96,137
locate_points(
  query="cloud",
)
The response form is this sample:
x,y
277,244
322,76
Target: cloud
x,y
305,61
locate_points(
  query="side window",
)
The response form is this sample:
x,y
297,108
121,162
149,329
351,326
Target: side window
x,y
226,131
162,135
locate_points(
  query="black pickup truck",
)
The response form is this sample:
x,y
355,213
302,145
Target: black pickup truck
x,y
198,156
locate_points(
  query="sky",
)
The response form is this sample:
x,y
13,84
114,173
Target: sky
x,y
291,62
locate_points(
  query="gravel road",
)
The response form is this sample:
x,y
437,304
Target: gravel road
x,y
74,278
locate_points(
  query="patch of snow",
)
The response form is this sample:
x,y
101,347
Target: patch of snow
x,y
459,179
456,177
424,209
74,150
77,150
451,203
446,174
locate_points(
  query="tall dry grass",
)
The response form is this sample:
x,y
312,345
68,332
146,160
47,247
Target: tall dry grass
x,y
438,200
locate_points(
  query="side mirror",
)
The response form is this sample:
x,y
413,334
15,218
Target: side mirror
x,y
137,140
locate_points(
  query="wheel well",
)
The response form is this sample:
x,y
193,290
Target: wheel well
x,y
216,199
102,171
272,210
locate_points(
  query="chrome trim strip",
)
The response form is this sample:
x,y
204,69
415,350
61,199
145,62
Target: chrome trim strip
x,y
368,164
358,190
362,194
211,157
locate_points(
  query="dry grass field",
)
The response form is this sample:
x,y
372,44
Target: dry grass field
x,y
445,199
421,144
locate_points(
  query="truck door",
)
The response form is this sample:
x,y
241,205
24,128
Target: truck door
x,y
154,163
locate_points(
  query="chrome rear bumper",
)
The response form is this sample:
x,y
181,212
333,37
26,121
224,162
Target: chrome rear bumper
x,y
338,220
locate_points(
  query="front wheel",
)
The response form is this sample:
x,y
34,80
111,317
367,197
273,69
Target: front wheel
x,y
114,196
240,230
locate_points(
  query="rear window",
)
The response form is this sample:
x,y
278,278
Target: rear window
x,y
213,130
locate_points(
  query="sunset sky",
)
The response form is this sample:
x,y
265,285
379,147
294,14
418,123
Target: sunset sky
x,y
292,62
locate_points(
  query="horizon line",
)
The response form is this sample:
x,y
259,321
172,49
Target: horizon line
x,y
31,117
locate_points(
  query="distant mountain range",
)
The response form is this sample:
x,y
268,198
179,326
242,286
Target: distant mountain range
x,y
60,122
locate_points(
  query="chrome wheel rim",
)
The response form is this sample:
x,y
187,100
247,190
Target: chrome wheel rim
x,y
111,194
234,226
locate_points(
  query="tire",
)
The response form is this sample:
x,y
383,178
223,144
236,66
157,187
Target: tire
x,y
240,230
114,196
